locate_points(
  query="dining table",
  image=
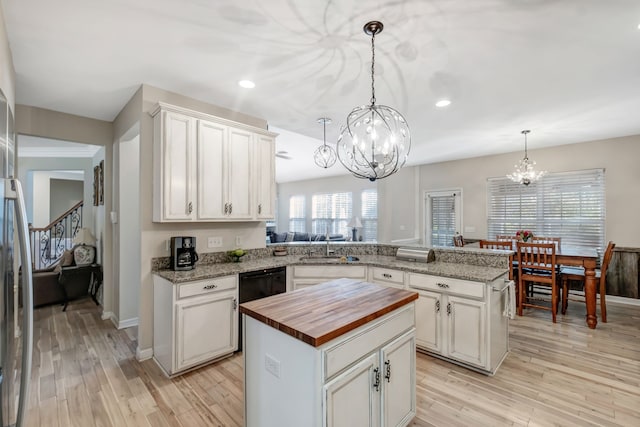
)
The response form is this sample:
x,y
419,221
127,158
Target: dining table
x,y
579,256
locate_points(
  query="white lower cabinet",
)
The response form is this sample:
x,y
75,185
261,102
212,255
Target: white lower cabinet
x,y
194,322
309,275
377,391
461,321
386,277
363,378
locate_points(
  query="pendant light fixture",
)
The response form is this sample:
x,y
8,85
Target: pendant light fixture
x,y
524,173
325,155
375,141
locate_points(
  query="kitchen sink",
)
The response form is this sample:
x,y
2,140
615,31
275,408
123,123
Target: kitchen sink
x,y
328,259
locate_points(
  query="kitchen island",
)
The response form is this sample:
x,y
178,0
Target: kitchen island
x,y
338,353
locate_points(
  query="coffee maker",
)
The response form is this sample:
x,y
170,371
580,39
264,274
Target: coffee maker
x,y
183,253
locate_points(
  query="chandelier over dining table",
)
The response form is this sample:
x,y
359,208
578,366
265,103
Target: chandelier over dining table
x,y
375,141
524,171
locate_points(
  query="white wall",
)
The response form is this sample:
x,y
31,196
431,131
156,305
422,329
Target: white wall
x,y
7,72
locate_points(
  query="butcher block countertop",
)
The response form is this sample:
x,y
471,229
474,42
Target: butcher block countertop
x,y
320,313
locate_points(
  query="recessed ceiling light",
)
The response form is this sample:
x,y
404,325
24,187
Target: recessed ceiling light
x,y
247,84
443,103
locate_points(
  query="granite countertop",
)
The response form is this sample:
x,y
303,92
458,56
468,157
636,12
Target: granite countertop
x,y
455,270
313,319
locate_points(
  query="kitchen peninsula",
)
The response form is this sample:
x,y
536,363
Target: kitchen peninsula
x,y
338,353
461,315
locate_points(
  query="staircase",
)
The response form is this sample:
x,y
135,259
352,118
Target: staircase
x,y
48,243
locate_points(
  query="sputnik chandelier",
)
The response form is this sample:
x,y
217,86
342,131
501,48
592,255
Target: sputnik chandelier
x,y
325,155
524,173
375,141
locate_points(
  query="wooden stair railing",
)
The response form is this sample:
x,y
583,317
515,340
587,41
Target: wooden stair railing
x,y
48,243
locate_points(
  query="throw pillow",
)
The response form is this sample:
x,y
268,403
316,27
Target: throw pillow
x,y
65,260
290,235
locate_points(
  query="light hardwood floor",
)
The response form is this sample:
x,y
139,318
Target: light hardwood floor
x,y
85,374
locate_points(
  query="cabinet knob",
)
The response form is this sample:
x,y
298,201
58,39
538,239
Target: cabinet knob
x,y
387,374
387,275
235,303
210,286
230,208
226,208
190,208
437,306
449,308
443,285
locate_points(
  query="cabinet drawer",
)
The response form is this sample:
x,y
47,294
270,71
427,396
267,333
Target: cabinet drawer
x,y
331,271
387,275
447,285
373,335
202,287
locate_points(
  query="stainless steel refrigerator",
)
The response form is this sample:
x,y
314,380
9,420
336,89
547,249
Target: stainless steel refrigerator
x,y
16,317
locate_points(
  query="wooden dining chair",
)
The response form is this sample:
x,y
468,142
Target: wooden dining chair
x,y
503,246
458,240
577,274
555,240
537,264
505,238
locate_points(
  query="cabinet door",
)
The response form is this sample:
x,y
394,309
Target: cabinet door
x,y
398,375
211,141
467,330
351,400
428,321
178,175
239,174
265,183
206,328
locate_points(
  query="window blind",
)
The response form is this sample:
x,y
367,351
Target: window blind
x,y
297,215
369,214
443,219
331,213
570,205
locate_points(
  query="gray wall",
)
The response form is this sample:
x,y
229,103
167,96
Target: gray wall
x,y
618,156
7,72
154,236
64,193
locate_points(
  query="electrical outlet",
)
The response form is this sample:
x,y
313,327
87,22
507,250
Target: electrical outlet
x,y
214,242
272,365
238,241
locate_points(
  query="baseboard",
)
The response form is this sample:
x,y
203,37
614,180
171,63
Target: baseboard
x,y
108,315
123,324
145,354
613,299
623,300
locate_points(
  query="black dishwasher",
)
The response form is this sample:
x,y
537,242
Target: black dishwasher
x,y
259,284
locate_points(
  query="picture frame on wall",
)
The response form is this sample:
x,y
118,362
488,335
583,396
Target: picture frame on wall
x,y
96,185
101,190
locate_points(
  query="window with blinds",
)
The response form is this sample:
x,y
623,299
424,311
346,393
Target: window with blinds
x,y
369,215
297,215
570,205
444,218
331,213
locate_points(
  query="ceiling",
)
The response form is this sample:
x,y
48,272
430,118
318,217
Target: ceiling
x,y
568,70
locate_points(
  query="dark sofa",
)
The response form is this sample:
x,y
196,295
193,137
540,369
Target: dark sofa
x,y
296,236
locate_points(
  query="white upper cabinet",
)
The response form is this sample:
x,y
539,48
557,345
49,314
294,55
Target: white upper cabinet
x,y
265,161
210,169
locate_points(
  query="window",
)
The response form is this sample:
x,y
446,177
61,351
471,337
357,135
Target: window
x,y
297,215
570,205
443,217
369,215
331,213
